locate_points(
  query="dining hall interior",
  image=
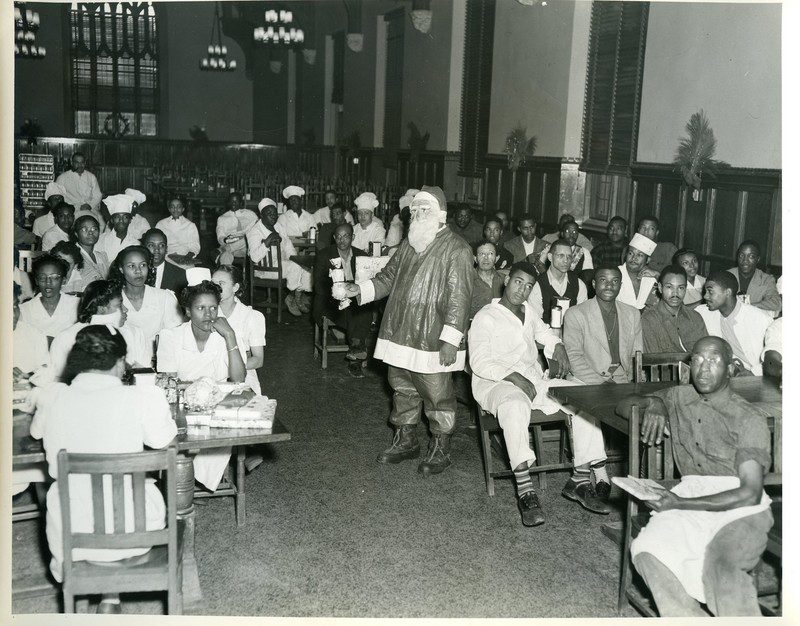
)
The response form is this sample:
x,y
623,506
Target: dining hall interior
x,y
397,309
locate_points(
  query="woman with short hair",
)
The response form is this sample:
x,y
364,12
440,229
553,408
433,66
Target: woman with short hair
x,y
248,324
50,310
150,309
85,233
92,412
183,240
74,282
101,303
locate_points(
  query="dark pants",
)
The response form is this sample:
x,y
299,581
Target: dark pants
x,y
356,320
733,552
412,391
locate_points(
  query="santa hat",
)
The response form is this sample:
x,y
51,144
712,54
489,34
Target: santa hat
x,y
54,189
643,244
120,203
138,196
367,201
196,275
293,190
265,202
435,196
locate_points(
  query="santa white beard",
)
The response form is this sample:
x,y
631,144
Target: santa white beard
x,y
422,232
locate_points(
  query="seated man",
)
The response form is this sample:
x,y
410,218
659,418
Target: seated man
x,y
465,226
64,216
508,381
53,196
638,281
232,227
493,230
688,260
119,237
711,529
581,257
612,249
558,286
669,325
488,283
742,325
324,215
662,255
582,240
527,246
262,236
603,334
167,275
338,216
295,222
759,286
369,229
356,320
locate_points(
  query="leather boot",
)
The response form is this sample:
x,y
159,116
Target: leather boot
x,y
438,457
404,446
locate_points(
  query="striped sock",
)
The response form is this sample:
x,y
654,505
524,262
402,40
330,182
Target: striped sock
x,y
580,474
523,479
600,473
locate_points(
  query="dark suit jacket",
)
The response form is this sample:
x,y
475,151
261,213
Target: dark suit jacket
x,y
323,300
174,278
325,235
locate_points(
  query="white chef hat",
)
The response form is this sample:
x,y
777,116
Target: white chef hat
x,y
196,275
54,189
266,202
119,203
293,190
642,243
367,201
138,196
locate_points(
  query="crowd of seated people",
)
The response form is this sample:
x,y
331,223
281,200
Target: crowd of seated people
x,y
113,291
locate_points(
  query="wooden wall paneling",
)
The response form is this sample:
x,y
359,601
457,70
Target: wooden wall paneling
x,y
669,210
759,221
723,234
551,183
740,221
696,212
645,200
536,204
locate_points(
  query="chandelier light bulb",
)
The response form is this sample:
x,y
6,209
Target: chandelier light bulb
x,y
34,51
28,15
24,50
271,16
300,35
224,50
222,64
281,32
270,32
276,38
42,51
204,63
211,49
17,14
289,17
213,63
217,50
232,64
16,50
35,20
30,36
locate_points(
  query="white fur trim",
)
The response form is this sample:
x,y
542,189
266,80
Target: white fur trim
x,y
415,360
451,335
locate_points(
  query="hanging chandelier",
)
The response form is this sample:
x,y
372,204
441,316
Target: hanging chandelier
x,y
217,57
26,23
280,29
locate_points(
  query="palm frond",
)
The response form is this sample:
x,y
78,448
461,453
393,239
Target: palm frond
x,y
695,154
519,146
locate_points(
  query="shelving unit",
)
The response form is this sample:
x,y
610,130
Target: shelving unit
x,y
35,171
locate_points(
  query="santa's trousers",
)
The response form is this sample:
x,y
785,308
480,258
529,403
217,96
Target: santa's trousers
x,y
413,390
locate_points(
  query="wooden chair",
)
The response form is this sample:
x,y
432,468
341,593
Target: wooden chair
x,y
656,367
489,425
627,592
321,345
268,274
231,487
161,569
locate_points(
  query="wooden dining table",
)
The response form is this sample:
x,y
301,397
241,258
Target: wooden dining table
x,y
28,451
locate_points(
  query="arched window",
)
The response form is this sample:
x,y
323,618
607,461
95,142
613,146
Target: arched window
x,y
114,56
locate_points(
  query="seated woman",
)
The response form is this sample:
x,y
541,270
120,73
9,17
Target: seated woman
x,y
183,240
149,309
248,324
74,282
50,310
203,346
86,232
101,303
92,412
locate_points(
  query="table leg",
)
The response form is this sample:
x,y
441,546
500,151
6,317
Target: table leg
x,y
192,594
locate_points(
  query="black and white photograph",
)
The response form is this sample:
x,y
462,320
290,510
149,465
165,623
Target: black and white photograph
x,y
380,309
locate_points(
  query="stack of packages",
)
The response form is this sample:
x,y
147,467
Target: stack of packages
x,y
240,408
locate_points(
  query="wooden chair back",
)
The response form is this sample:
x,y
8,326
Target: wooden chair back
x,y
125,475
661,366
268,274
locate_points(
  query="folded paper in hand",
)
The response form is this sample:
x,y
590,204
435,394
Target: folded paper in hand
x,y
368,267
643,489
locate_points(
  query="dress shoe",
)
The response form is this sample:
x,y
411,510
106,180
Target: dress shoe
x,y
291,305
356,354
531,509
355,369
438,457
252,461
603,491
404,446
584,494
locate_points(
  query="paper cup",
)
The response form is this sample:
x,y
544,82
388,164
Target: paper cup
x,y
338,291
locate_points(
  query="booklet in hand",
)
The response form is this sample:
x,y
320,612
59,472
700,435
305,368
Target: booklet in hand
x,y
643,489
